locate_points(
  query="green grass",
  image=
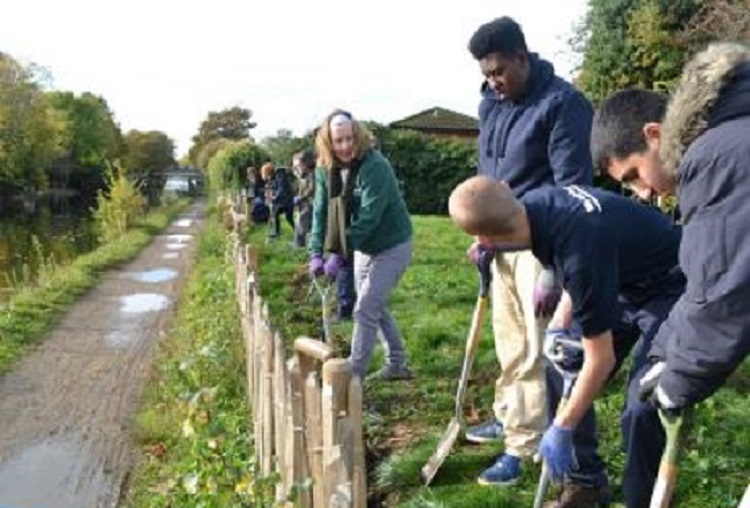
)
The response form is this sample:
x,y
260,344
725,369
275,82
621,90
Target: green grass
x,y
433,306
194,422
34,309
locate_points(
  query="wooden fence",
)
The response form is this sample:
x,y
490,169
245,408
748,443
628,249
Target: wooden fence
x,y
307,408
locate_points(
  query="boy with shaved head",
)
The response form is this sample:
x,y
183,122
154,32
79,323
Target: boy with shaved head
x,y
617,261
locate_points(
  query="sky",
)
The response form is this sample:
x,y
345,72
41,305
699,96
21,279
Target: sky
x,y
164,65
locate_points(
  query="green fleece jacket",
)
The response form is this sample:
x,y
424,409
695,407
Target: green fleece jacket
x,y
379,218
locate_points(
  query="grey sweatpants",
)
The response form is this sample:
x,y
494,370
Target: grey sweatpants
x,y
375,278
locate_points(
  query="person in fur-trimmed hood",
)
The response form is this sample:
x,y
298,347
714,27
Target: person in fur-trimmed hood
x,y
699,145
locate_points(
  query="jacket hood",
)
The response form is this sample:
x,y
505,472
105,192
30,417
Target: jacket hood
x,y
696,104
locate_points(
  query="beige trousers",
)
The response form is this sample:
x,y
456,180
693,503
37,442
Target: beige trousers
x,y
520,391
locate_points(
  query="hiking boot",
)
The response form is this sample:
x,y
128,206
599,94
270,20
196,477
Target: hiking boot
x,y
392,373
575,495
505,471
486,432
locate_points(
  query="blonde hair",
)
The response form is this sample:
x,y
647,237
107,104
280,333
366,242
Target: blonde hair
x,y
267,170
324,146
482,206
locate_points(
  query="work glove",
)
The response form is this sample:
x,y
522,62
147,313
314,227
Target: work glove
x,y
547,293
332,266
297,200
556,449
315,265
476,249
563,347
649,390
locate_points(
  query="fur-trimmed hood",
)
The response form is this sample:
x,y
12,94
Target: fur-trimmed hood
x,y
692,105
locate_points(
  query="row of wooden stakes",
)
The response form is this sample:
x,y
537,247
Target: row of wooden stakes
x,y
307,409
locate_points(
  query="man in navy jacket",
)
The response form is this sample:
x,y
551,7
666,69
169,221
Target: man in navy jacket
x,y
701,147
617,261
533,132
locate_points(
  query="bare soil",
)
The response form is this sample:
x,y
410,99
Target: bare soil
x,y
66,411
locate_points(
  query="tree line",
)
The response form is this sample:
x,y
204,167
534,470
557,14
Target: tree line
x,y
53,139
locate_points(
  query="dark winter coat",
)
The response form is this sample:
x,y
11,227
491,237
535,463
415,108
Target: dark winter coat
x,y
706,143
541,139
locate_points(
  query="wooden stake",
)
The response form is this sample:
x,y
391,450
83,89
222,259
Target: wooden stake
x,y
359,467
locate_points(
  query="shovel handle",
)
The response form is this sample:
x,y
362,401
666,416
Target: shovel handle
x,y
666,481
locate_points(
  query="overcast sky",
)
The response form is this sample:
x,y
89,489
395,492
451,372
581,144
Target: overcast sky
x,y
163,65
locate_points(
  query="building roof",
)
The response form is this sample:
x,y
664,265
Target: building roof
x,y
437,119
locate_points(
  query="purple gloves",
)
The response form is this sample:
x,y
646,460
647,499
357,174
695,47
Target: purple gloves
x,y
297,200
315,265
557,449
547,293
475,250
333,265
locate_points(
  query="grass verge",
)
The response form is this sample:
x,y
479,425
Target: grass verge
x,y
404,420
33,310
194,422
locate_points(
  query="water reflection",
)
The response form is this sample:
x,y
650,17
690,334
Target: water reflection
x,y
27,242
179,238
51,474
155,276
143,302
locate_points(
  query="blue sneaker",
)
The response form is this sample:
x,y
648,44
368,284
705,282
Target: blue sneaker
x,y
505,471
486,432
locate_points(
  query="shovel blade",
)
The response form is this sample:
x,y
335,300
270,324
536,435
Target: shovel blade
x,y
430,469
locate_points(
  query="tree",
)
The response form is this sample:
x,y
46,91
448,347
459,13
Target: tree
x,y
148,152
634,43
232,124
228,167
718,19
92,136
30,132
284,145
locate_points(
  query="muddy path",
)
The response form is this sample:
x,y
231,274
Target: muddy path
x,y
66,411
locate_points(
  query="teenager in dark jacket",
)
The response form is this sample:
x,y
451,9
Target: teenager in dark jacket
x,y
617,260
701,149
280,195
533,132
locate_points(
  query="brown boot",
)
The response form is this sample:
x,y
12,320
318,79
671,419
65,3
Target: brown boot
x,y
574,495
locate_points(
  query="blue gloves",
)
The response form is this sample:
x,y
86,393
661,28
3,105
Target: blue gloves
x,y
297,200
557,449
315,265
333,265
547,293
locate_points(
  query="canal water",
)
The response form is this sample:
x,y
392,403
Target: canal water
x,y
25,241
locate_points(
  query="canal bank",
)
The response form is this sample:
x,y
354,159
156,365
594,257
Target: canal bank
x,y
66,409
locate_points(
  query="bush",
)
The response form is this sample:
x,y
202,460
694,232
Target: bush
x,y
429,167
119,206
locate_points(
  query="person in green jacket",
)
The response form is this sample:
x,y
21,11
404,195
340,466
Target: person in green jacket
x,y
358,213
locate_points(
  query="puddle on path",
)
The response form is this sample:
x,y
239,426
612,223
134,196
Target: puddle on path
x,y
171,255
48,474
143,302
155,276
117,339
179,238
183,223
176,246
